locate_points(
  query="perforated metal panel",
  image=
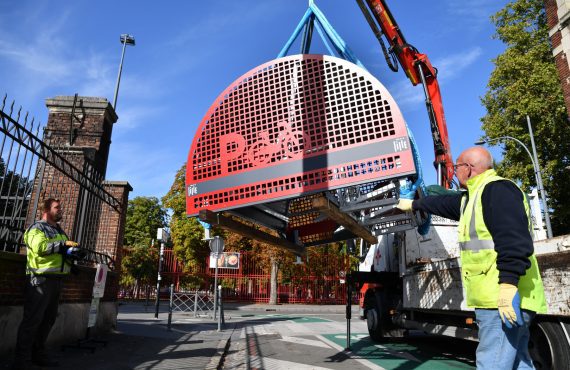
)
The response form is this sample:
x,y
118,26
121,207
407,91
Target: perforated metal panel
x,y
292,127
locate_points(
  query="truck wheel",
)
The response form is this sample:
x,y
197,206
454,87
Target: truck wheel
x,y
549,347
374,323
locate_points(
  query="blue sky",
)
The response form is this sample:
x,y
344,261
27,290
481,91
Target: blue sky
x,y
188,52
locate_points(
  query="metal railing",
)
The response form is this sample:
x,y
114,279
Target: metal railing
x,y
31,169
200,303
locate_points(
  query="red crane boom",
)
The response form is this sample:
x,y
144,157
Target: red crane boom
x,y
418,68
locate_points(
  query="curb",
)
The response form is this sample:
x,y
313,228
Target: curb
x,y
217,360
335,309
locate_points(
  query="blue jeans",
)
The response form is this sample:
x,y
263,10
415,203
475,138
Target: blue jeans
x,y
499,347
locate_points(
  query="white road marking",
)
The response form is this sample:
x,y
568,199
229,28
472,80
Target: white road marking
x,y
364,362
305,341
401,354
274,364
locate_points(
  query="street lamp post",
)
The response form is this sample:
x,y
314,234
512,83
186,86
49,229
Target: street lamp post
x,y
539,184
537,175
125,40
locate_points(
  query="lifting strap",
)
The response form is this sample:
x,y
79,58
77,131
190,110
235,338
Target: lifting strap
x,y
314,17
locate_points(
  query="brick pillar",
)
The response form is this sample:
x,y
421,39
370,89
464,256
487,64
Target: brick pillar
x,y
112,224
89,129
79,129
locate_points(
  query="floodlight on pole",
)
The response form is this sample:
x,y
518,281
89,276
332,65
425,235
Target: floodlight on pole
x,y
125,40
537,175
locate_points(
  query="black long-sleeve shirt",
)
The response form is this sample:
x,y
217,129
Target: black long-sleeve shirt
x,y
505,218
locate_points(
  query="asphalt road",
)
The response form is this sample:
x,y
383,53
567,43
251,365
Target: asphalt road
x,y
300,340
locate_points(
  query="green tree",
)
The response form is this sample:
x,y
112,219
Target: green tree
x,y
145,216
140,264
186,233
525,82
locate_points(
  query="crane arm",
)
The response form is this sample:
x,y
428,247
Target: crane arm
x,y
418,68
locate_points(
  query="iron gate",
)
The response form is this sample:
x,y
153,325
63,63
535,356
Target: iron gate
x,y
33,169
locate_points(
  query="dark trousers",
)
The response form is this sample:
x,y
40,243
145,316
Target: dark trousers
x,y
40,312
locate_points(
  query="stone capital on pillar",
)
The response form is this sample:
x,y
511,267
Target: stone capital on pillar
x,y
81,123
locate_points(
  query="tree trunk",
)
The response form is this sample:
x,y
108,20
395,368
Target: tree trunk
x,y
274,273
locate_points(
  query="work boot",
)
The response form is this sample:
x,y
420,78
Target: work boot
x,y
43,360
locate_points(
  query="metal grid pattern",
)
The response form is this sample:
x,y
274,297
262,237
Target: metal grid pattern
x,y
201,303
295,126
314,281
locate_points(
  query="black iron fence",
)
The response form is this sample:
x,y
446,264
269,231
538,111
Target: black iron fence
x,y
32,169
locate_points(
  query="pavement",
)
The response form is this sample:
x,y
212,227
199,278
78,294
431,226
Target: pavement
x,y
141,342
256,336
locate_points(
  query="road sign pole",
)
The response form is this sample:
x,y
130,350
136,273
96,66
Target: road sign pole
x,y
217,247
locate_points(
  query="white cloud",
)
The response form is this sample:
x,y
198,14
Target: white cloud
x,y
48,61
453,65
133,116
407,95
449,67
231,16
474,13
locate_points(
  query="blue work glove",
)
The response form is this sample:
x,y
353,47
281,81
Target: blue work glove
x,y
509,305
408,192
76,253
66,245
407,195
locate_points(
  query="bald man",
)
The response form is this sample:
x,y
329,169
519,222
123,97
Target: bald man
x,y
499,270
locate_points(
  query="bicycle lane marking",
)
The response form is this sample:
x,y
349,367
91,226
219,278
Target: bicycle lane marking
x,y
394,355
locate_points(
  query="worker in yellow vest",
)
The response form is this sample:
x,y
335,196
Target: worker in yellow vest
x,y
47,245
499,269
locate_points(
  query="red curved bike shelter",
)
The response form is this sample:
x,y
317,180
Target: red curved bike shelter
x,y
289,130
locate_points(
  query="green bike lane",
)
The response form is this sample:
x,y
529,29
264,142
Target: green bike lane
x,y
427,353
418,351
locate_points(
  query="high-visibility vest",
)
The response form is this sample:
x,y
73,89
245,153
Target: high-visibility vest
x,y
479,259
45,244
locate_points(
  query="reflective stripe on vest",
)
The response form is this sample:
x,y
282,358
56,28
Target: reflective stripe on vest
x,y
475,244
44,243
479,258
54,270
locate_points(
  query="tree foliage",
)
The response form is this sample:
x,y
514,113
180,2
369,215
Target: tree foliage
x,y
140,264
186,233
145,216
525,82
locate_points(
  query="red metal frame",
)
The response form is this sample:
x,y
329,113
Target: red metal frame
x,y
251,282
294,126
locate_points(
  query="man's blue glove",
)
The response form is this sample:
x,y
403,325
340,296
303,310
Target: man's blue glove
x,y
408,192
76,253
407,195
509,305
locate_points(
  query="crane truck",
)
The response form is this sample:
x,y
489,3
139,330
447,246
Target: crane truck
x,y
413,281
312,149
